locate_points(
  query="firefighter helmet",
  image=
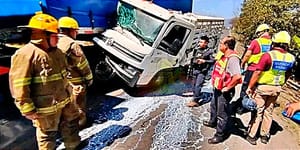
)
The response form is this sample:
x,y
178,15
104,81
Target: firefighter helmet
x,y
282,37
249,103
67,22
43,22
262,27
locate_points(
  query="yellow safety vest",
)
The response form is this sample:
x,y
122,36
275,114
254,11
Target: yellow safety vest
x,y
281,62
296,39
265,46
219,55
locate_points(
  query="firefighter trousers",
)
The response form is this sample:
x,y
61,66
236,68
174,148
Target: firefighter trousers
x,y
81,106
65,121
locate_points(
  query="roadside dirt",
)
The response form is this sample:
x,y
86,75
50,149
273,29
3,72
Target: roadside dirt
x,y
288,95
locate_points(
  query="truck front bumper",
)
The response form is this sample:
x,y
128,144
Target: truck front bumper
x,y
126,72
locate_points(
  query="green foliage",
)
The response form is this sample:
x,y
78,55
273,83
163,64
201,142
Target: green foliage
x,y
279,14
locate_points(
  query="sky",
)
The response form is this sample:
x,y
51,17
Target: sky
x,y
219,8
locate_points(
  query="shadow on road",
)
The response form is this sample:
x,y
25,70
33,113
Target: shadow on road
x,y
275,127
237,127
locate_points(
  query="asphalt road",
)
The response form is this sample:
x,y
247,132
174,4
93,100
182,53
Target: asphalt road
x,y
157,119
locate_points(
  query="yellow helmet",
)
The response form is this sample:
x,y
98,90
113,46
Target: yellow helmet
x,y
43,22
262,27
67,22
282,37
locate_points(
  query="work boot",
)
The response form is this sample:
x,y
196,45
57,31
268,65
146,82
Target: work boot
x,y
251,140
216,139
209,124
264,139
192,104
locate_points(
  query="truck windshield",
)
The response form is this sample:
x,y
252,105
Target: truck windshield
x,y
139,22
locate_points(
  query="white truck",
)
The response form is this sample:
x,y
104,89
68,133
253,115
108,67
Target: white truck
x,y
149,42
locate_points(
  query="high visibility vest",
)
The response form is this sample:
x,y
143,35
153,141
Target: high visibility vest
x,y
219,55
265,46
296,39
281,62
221,78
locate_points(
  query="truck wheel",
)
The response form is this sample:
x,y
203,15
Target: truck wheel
x,y
103,71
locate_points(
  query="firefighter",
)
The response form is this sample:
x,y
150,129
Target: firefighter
x,y
202,60
257,47
78,65
225,76
265,85
38,83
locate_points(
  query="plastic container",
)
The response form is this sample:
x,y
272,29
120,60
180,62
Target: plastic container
x,y
295,117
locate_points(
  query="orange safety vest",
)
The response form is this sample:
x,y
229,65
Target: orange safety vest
x,y
221,78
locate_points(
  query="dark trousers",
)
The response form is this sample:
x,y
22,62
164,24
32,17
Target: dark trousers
x,y
197,82
220,111
247,78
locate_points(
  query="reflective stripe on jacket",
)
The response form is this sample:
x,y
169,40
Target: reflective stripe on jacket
x,y
38,79
77,62
265,46
221,78
281,62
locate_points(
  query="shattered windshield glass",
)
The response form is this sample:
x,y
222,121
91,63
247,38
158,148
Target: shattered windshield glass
x,y
139,22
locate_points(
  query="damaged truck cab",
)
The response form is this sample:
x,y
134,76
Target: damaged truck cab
x,y
149,40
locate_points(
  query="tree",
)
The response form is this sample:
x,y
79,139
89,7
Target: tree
x,y
279,14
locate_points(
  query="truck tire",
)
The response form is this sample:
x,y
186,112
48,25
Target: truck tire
x,y
103,72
